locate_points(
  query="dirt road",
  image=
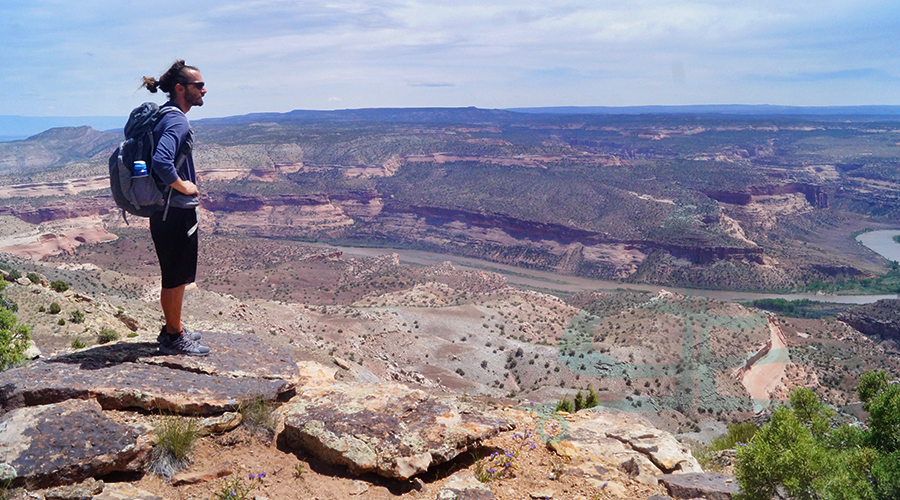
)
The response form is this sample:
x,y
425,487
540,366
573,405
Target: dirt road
x,y
765,375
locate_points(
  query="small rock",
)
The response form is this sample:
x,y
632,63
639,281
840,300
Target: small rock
x,y
464,486
83,491
542,494
7,473
220,424
225,469
615,489
342,363
128,321
710,485
358,488
125,491
23,281
32,352
26,495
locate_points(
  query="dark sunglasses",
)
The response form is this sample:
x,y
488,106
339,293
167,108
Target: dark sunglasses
x,y
198,85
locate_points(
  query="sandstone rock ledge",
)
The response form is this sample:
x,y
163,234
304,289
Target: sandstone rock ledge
x,y
61,419
54,429
386,428
626,441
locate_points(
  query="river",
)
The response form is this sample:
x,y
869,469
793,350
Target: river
x,y
882,243
552,282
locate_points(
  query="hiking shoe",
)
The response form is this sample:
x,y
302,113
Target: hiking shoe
x,y
163,336
183,345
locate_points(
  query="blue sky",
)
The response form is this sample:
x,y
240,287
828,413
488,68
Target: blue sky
x,y
85,58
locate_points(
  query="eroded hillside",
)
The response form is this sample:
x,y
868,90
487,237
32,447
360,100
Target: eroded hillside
x,y
470,331
697,200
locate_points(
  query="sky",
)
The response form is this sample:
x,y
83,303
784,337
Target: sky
x,y
85,58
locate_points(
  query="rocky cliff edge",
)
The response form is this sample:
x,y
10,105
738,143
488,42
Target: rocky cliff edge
x,y
88,415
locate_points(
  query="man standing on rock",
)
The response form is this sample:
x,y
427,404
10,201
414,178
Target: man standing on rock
x,y
174,230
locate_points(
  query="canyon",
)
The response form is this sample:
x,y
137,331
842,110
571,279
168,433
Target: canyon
x,y
307,222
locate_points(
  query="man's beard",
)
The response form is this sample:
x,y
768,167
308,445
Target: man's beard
x,y
196,100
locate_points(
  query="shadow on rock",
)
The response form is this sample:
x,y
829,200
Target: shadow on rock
x,y
107,355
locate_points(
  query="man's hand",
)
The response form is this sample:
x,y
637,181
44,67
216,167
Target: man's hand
x,y
185,187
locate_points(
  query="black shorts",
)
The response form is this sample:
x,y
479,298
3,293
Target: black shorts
x,y
176,245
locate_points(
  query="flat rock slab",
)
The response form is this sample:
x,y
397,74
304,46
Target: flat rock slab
x,y
121,376
464,486
235,355
627,441
709,485
68,442
389,429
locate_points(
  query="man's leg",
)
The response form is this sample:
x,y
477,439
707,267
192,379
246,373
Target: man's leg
x,y
176,248
171,300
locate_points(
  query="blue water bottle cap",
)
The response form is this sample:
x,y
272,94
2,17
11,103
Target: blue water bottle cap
x,y
140,168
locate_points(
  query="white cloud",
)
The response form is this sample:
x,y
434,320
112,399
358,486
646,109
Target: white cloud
x,y
276,55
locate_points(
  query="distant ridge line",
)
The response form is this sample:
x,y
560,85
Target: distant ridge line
x,y
736,109
21,127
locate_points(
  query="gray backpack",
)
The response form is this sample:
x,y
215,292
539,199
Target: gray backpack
x,y
139,195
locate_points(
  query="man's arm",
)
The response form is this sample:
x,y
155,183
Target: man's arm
x,y
167,150
185,187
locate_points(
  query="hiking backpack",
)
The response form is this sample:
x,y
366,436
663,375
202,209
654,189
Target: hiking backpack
x,y
139,195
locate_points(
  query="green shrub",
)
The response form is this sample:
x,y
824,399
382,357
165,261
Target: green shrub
x,y
54,308
107,335
61,322
882,401
565,405
77,343
176,437
258,414
14,338
592,400
13,274
737,435
803,454
59,286
9,304
33,277
42,309
76,316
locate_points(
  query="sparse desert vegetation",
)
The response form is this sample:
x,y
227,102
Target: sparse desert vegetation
x,y
636,202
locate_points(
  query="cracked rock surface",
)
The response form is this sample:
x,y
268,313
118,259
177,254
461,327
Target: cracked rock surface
x,y
68,442
54,428
133,375
625,440
387,428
